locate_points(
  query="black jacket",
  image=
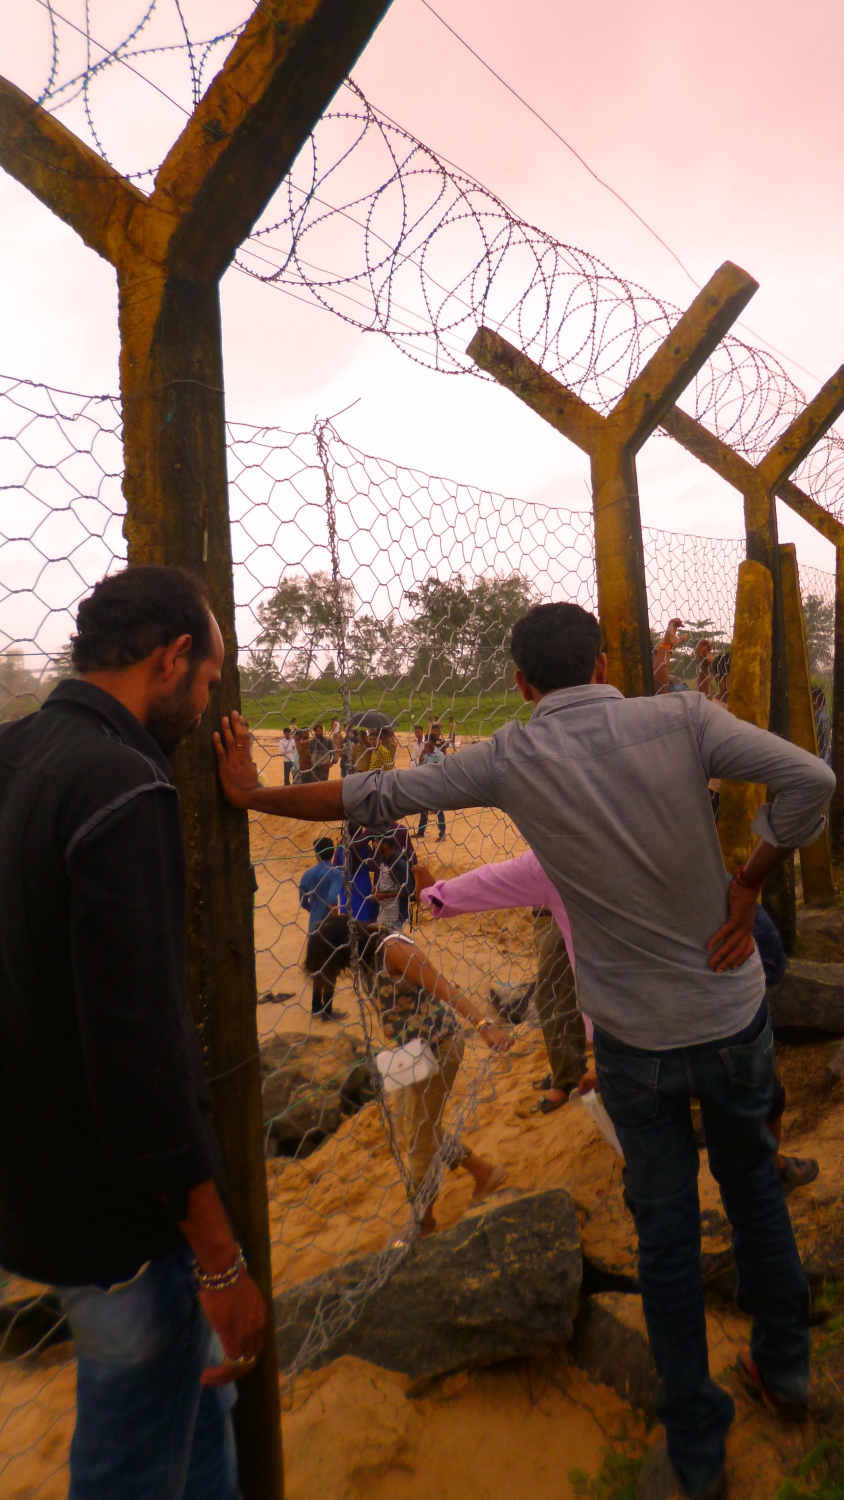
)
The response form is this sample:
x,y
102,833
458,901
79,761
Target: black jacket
x,y
104,1110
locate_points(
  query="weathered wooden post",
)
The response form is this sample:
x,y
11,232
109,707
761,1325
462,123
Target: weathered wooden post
x,y
750,699
170,250
833,530
612,443
759,485
815,861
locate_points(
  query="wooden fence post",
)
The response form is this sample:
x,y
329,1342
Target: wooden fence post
x,y
833,530
170,250
815,862
750,699
759,484
612,443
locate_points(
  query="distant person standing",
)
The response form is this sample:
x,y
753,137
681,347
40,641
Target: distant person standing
x,y
320,889
392,886
451,737
431,756
111,1182
383,757
305,768
322,753
416,744
287,751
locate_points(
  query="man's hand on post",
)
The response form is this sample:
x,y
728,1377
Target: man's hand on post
x,y
238,771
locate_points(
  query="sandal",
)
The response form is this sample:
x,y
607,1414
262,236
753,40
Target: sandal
x,y
543,1083
797,1172
546,1106
791,1410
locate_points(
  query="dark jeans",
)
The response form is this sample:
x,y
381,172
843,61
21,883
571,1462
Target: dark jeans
x,y
647,1096
423,824
144,1425
288,771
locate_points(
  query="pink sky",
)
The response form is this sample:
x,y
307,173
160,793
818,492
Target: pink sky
x,y
721,124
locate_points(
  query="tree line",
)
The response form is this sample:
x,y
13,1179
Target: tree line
x,y
458,633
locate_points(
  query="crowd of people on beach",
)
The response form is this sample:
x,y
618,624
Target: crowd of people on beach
x,y
652,971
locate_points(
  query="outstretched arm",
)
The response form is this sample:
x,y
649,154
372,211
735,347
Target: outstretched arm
x,y
404,962
321,802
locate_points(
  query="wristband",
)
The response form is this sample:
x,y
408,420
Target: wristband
x,y
749,885
220,1281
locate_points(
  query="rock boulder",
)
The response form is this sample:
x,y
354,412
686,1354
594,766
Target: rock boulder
x,y
811,997
311,1082
502,1283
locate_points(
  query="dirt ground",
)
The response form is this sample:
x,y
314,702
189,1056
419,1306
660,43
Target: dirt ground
x,y
529,1427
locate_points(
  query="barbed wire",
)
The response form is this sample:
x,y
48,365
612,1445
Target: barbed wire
x,y
394,239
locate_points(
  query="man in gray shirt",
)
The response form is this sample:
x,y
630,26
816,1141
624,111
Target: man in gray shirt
x,y
612,796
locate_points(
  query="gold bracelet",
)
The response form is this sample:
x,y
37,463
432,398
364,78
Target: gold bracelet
x,y
220,1281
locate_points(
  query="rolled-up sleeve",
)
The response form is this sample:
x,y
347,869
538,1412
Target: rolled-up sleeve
x,y
467,779
802,784
138,1041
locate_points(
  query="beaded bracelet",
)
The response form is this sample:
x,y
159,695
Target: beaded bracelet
x,y
220,1281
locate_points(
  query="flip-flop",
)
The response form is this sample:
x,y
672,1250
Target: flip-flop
x,y
495,1180
797,1172
540,1084
546,1106
751,1379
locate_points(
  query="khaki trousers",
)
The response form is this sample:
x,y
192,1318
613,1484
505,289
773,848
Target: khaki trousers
x,y
418,1111
555,999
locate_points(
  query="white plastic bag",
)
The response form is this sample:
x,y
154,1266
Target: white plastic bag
x,y
401,1066
592,1104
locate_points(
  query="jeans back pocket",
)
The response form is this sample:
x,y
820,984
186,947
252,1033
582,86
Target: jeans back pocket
x,y
750,1066
628,1088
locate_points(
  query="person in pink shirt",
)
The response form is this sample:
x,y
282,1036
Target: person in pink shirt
x,y
523,882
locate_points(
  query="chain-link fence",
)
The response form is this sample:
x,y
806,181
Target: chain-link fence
x,y
366,591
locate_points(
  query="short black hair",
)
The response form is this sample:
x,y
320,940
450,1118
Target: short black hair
x,y
323,846
556,646
130,614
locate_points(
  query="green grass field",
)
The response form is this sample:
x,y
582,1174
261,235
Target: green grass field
x,y
476,713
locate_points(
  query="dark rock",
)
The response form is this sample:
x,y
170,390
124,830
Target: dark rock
x,y
811,997
503,1283
611,1345
311,1082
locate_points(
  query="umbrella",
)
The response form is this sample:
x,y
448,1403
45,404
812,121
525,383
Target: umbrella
x,y
372,718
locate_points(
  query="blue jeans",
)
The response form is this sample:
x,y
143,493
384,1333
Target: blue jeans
x,y
647,1097
145,1427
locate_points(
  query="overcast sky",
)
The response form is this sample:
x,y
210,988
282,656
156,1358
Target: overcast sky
x,y
721,124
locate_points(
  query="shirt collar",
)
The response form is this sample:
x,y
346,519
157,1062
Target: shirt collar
x,y
573,697
130,729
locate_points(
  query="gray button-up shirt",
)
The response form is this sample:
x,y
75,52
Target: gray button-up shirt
x,y
611,794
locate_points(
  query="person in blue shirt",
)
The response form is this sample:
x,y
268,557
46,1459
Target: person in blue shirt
x,y
320,889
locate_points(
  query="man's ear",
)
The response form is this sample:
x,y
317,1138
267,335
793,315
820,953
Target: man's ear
x,y
600,672
173,657
524,686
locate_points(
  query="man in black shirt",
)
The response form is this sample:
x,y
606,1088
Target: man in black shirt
x,y
110,1174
